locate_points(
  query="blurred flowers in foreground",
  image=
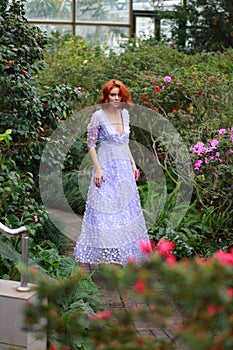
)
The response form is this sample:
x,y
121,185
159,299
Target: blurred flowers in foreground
x,y
202,288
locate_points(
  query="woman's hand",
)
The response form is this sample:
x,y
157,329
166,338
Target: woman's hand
x,y
136,171
99,177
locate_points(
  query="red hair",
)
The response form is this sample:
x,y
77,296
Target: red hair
x,y
124,92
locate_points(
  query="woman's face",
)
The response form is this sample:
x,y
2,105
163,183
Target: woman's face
x,y
114,98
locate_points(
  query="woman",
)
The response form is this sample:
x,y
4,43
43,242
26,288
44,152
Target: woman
x,y
113,223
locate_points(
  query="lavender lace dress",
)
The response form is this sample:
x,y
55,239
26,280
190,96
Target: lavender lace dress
x,y
113,222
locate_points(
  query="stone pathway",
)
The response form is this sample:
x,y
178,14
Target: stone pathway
x,y
70,224
115,300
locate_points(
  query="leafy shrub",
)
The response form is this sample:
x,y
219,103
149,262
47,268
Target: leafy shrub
x,y
70,294
206,24
207,312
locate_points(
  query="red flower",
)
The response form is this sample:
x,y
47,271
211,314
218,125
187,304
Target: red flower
x,y
213,80
157,88
165,247
175,111
148,104
212,310
171,259
53,347
45,104
196,49
145,246
224,258
55,118
172,43
100,315
140,340
156,109
132,260
143,97
22,71
230,292
140,286
10,63
203,261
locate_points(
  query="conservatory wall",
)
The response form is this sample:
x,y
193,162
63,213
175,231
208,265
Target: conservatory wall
x,y
100,20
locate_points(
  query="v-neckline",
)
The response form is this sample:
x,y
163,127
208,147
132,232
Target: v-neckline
x,y
113,127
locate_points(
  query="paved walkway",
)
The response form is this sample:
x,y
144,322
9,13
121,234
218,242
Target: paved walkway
x,y
113,299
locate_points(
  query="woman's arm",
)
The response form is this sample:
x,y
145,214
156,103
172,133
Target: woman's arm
x,y
98,176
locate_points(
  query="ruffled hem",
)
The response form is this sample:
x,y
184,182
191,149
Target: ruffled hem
x,y
121,255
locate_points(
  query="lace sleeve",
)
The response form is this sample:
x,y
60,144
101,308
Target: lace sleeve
x,y
92,131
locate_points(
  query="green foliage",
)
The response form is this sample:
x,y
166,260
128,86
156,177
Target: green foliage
x,y
206,312
21,52
205,24
49,232
70,295
17,204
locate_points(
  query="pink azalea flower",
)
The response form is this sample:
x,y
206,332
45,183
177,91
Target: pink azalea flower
x,y
197,164
167,79
213,143
198,148
221,131
36,219
230,151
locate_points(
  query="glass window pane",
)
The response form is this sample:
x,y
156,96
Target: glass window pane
x,y
65,29
49,9
102,11
102,34
155,4
165,28
145,27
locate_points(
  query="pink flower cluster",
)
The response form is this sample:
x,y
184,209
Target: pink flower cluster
x,y
210,152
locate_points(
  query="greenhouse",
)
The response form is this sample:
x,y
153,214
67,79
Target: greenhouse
x,y
116,168
102,20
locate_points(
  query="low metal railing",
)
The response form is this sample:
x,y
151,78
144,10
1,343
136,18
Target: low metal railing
x,y
24,287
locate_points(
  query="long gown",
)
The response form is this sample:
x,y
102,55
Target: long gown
x,y
113,222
